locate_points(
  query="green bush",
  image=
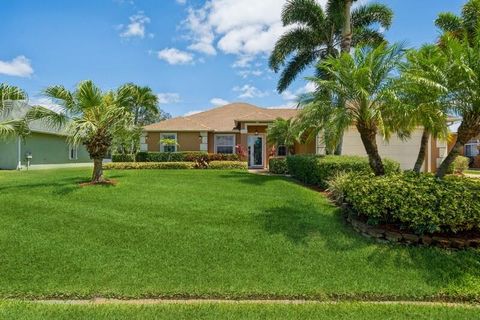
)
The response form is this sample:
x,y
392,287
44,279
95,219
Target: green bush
x,y
123,157
278,165
418,202
148,165
318,170
459,165
189,156
175,165
228,165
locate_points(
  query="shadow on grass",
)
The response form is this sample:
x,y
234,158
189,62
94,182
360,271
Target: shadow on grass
x,y
298,223
250,178
444,269
61,186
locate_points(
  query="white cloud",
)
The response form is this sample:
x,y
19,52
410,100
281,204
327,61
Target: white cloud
x,y
218,102
136,27
249,91
189,113
243,28
45,102
168,97
181,2
246,73
292,97
18,67
200,33
175,56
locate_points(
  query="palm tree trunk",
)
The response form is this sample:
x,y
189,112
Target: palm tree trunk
x,y
369,137
346,43
465,133
97,176
421,153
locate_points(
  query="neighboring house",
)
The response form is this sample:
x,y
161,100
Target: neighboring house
x,y
44,147
221,129
472,151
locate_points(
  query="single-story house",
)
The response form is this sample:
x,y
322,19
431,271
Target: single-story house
x,y
241,125
44,147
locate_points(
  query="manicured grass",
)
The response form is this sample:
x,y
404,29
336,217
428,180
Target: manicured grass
x,y
193,233
344,311
477,171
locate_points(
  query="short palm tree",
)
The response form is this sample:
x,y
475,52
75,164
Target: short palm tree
x,y
460,26
421,107
91,117
11,126
458,75
282,133
365,80
317,33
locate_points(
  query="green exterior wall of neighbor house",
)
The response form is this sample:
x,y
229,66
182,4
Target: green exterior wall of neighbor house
x,y
44,148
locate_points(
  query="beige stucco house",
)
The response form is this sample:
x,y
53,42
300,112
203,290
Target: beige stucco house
x,y
224,129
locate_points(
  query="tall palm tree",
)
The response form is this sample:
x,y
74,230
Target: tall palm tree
x,y
282,133
423,107
460,26
366,81
91,117
11,126
143,103
316,33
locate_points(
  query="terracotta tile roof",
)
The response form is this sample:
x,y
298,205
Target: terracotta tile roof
x,y
221,119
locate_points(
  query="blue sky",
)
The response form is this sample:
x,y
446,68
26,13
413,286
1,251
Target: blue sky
x,y
195,54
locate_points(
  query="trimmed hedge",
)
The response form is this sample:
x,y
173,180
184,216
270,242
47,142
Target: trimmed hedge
x,y
175,165
418,202
228,165
318,170
123,157
278,165
189,156
148,165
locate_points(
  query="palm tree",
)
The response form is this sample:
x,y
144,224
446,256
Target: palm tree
x,y
366,81
459,26
423,107
143,104
458,75
282,133
316,34
91,117
11,127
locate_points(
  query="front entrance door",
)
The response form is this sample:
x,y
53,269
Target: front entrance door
x,y
255,151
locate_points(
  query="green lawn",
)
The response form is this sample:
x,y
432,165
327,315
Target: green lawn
x,y
205,233
342,311
476,171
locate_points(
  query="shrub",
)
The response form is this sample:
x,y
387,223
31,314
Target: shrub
x,y
148,165
278,165
123,157
318,170
228,165
418,202
459,165
189,156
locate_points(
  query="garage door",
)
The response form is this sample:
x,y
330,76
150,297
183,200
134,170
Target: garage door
x,y
405,152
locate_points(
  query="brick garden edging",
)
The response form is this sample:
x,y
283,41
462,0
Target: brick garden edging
x,y
383,235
